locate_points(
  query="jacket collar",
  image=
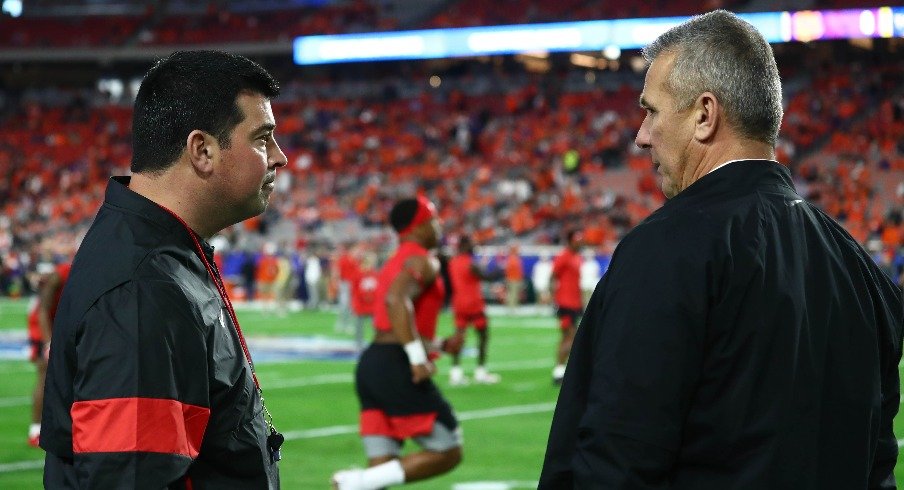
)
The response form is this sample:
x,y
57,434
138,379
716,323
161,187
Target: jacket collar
x,y
119,195
738,178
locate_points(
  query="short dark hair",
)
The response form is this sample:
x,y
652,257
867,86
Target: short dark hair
x,y
402,214
191,90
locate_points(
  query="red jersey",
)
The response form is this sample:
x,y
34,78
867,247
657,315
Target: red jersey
x,y
347,267
364,291
34,327
466,296
426,305
566,269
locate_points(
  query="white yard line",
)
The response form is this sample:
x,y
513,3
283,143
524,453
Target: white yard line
x,y
15,401
320,379
506,411
22,465
16,367
494,485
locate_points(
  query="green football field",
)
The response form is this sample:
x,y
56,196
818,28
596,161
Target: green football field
x,y
313,401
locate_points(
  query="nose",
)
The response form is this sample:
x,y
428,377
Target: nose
x,y
642,140
277,157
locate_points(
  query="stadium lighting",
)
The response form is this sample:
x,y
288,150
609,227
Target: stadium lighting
x,y
12,7
606,36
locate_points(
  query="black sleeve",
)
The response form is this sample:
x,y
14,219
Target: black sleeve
x,y
634,367
882,474
141,388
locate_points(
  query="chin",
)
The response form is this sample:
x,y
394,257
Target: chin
x,y
668,191
256,208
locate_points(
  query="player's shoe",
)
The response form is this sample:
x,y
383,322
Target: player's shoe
x,y
457,376
482,376
34,434
558,374
352,479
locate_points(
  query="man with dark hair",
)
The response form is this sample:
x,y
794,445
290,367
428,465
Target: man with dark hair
x,y
468,308
398,399
150,382
566,276
740,337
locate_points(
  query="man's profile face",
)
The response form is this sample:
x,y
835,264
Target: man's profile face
x,y
665,132
249,164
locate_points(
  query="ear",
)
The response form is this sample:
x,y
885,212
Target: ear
x,y
201,149
707,116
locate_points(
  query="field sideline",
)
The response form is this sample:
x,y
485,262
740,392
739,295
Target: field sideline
x,y
313,402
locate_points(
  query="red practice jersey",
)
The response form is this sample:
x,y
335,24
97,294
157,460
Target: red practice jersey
x,y
566,269
466,296
364,291
426,305
347,267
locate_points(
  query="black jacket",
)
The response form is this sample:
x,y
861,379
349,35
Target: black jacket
x,y
147,385
741,339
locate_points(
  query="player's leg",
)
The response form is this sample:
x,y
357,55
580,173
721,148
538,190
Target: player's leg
x,y
394,409
567,318
384,467
37,397
456,373
481,374
441,447
343,298
565,345
282,297
441,453
376,379
358,321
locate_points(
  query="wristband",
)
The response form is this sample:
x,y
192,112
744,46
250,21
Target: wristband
x,y
416,353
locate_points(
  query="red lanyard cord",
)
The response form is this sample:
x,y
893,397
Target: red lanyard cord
x,y
222,290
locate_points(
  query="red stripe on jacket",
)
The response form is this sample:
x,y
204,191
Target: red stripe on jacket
x,y
138,425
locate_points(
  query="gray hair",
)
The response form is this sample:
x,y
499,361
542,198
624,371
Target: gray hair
x,y
720,53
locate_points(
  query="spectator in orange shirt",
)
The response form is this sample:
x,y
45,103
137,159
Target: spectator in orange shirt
x,y
265,276
566,275
514,277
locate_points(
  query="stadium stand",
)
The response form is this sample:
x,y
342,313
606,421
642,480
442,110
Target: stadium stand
x,y
508,154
